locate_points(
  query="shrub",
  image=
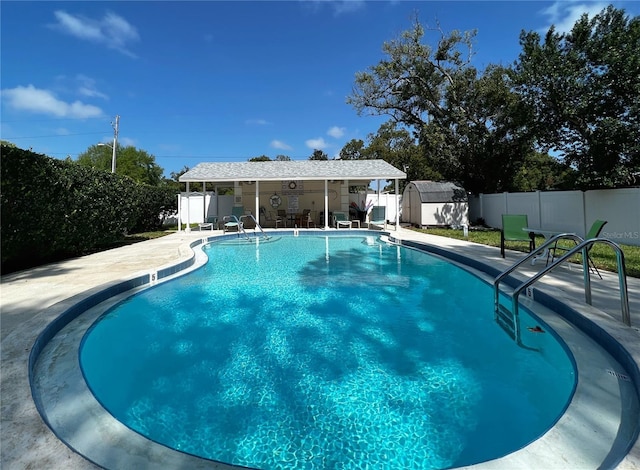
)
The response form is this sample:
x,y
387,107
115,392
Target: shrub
x,y
53,209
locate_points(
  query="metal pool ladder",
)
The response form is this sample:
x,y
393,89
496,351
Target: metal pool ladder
x,y
258,226
508,318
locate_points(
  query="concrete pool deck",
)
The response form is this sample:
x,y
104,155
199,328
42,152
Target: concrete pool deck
x,y
31,299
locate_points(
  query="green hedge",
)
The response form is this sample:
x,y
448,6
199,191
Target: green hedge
x,y
53,209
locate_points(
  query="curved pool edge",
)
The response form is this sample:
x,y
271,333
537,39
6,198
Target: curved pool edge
x,y
610,334
127,288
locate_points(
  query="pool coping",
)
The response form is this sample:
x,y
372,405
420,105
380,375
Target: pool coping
x,y
631,458
575,314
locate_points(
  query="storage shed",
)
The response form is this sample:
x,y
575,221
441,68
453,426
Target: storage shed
x,y
430,203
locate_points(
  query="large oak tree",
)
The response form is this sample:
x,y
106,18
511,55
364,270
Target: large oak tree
x,y
470,126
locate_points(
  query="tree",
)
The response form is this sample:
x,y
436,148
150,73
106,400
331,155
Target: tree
x,y
543,172
352,150
136,164
395,145
319,155
282,158
584,88
262,158
483,140
410,85
174,182
97,156
471,128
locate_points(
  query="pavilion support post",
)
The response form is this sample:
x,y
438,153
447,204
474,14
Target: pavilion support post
x,y
257,212
179,212
326,204
188,228
397,204
204,202
217,214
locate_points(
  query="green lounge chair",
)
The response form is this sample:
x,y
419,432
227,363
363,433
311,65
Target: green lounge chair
x,y
233,221
340,219
512,231
378,216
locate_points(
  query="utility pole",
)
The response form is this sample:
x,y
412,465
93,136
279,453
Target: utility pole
x,y
115,143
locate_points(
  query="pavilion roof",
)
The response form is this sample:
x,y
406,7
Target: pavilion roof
x,y
293,170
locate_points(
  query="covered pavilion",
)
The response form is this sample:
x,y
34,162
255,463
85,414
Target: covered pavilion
x,y
302,183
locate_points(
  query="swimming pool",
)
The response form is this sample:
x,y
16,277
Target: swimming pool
x,y
344,352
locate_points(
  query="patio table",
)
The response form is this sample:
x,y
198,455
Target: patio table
x,y
546,234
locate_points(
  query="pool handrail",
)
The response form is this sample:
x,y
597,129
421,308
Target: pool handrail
x,y
238,223
551,241
583,247
258,226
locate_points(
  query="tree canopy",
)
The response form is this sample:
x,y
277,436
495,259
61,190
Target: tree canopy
x,y
576,95
136,164
318,155
458,114
584,89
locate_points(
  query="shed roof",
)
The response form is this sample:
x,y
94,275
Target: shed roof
x,y
433,191
293,170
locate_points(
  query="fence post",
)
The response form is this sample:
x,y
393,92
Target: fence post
x,y
539,209
179,212
584,213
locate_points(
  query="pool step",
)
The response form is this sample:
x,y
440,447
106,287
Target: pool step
x,y
506,320
511,325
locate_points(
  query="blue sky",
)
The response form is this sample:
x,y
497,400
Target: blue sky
x,y
223,81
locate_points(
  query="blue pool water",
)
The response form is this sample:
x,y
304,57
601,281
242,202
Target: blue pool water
x,y
318,352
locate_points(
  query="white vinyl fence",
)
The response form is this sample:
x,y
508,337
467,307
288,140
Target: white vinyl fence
x,y
567,211
374,199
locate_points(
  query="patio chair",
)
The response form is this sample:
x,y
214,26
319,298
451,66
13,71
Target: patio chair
x,y
303,218
593,232
308,220
282,215
378,216
512,231
209,223
233,220
270,219
340,219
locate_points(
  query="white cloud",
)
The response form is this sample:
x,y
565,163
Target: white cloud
x,y
87,87
347,6
81,85
336,132
563,15
258,122
126,142
316,144
111,30
39,101
338,6
278,144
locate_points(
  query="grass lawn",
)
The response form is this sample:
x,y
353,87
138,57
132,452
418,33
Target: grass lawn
x,y
602,255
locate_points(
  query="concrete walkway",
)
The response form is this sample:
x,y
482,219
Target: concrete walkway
x,y
31,299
